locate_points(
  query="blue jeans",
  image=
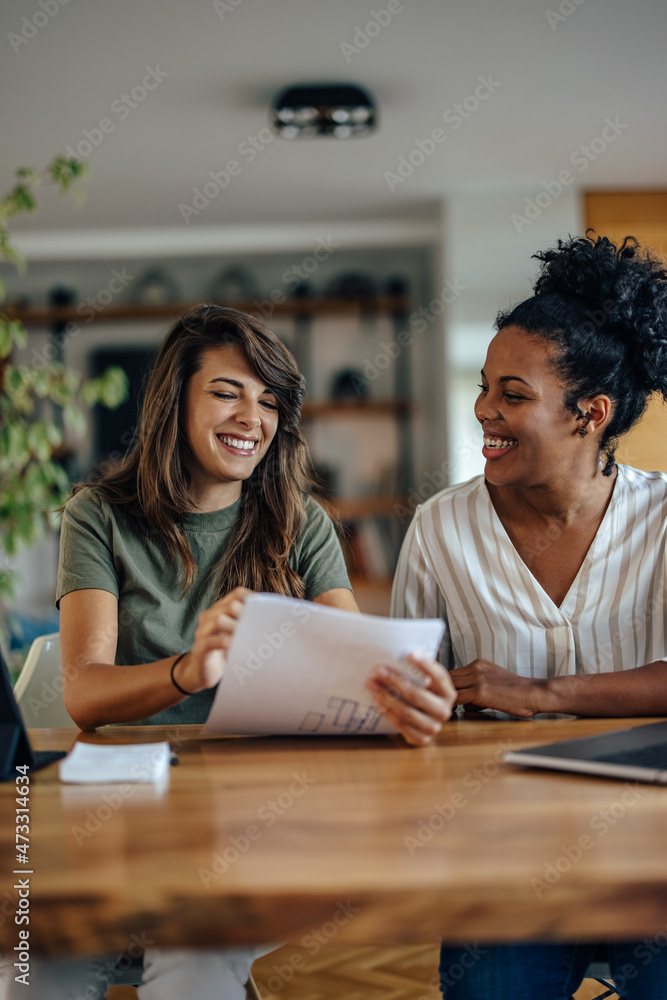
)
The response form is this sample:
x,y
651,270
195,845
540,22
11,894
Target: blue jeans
x,y
551,971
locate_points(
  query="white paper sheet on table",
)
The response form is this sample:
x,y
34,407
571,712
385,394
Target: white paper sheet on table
x,y
295,667
89,763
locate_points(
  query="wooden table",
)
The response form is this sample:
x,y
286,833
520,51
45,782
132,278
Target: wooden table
x,y
260,839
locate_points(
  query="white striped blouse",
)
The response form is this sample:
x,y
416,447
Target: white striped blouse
x,y
458,563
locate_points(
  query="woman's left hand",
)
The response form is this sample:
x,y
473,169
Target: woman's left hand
x,y
417,711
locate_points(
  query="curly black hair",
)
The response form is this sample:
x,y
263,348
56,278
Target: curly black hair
x,y
605,309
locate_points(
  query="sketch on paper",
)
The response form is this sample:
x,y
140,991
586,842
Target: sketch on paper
x,y
346,716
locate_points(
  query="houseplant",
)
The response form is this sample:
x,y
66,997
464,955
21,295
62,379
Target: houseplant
x,y
40,407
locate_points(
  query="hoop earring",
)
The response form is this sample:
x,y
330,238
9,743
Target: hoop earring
x,y
583,430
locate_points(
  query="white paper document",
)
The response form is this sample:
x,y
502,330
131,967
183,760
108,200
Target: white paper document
x,y
129,762
295,667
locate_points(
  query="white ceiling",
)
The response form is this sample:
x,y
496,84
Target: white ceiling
x,y
558,83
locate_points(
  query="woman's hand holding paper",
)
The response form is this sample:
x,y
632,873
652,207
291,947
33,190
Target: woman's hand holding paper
x,y
417,709
204,665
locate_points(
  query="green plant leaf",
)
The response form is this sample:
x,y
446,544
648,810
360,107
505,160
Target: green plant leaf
x,y
6,342
8,582
22,200
19,333
109,389
17,448
25,527
65,171
38,441
53,433
29,175
13,379
32,483
12,333
74,419
8,541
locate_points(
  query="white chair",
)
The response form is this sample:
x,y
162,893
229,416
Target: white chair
x,y
39,688
129,974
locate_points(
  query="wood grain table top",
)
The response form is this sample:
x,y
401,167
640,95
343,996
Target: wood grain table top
x,y
267,839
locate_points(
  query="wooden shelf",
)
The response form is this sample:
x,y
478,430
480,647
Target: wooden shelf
x,y
354,407
347,509
46,315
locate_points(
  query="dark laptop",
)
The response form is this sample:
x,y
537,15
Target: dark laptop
x,y
15,746
635,754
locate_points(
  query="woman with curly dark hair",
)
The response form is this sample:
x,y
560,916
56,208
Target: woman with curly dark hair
x,y
551,568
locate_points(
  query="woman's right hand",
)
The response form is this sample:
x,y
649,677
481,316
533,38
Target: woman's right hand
x,y
483,684
204,665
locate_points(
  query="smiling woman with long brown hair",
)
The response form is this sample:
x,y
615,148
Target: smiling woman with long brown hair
x,y
213,501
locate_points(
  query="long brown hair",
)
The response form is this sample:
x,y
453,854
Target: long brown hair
x,y
153,480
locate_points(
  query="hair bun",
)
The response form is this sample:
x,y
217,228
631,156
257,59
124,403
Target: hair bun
x,y
623,291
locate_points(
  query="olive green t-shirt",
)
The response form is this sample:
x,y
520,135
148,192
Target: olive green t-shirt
x,y
102,547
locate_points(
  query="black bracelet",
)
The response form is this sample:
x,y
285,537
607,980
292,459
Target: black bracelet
x,y
173,679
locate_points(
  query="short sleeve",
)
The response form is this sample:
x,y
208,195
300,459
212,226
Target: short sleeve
x,y
318,557
86,555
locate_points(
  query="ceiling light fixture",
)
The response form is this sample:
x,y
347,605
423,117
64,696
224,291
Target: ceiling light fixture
x,y
340,110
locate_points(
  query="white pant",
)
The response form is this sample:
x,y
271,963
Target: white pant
x,y
168,975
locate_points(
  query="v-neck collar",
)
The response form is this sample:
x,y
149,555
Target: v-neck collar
x,y
568,604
